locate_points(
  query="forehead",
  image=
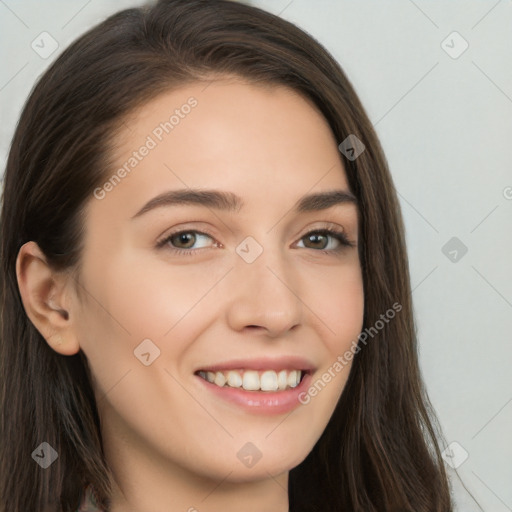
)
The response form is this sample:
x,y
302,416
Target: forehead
x,y
258,141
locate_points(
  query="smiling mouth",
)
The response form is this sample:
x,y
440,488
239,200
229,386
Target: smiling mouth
x,y
253,380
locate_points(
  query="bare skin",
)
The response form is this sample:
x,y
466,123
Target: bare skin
x,y
172,444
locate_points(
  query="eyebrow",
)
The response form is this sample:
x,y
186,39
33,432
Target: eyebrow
x,y
230,202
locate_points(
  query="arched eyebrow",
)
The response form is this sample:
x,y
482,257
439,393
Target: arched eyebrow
x,y
230,202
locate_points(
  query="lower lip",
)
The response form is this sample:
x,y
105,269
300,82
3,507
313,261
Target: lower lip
x,y
261,402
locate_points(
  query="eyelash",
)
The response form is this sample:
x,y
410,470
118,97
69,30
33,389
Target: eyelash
x,y
338,235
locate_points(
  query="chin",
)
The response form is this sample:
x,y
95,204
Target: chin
x,y
267,466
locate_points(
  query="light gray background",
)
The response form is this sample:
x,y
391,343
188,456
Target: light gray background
x,y
446,127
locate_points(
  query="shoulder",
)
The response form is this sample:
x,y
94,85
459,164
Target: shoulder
x,y
89,503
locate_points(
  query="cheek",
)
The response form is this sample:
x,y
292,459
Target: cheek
x,y
339,303
158,296
169,306
341,310
139,302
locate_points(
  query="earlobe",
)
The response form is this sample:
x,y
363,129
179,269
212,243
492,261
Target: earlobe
x,y
43,293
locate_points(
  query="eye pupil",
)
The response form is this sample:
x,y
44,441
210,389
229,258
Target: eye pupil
x,y
185,238
314,238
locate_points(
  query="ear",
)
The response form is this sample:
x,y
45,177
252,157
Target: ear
x,y
46,299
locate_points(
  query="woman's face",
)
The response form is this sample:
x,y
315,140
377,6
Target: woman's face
x,y
256,293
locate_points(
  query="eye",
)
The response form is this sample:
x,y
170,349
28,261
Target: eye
x,y
189,238
323,235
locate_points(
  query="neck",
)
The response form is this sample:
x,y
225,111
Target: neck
x,y
146,481
258,496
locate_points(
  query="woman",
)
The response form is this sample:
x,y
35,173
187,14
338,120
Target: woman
x,y
274,367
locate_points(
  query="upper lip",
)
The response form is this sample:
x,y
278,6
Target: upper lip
x,y
261,363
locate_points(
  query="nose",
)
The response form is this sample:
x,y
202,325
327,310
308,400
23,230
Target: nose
x,y
264,296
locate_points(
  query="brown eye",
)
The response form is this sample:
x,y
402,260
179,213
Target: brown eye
x,y
317,239
320,240
183,241
185,237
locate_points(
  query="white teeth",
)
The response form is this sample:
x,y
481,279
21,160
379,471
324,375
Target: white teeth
x,y
252,380
220,379
268,381
234,379
282,379
292,379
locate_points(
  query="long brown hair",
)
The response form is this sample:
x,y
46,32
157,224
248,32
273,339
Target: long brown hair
x,y
380,450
